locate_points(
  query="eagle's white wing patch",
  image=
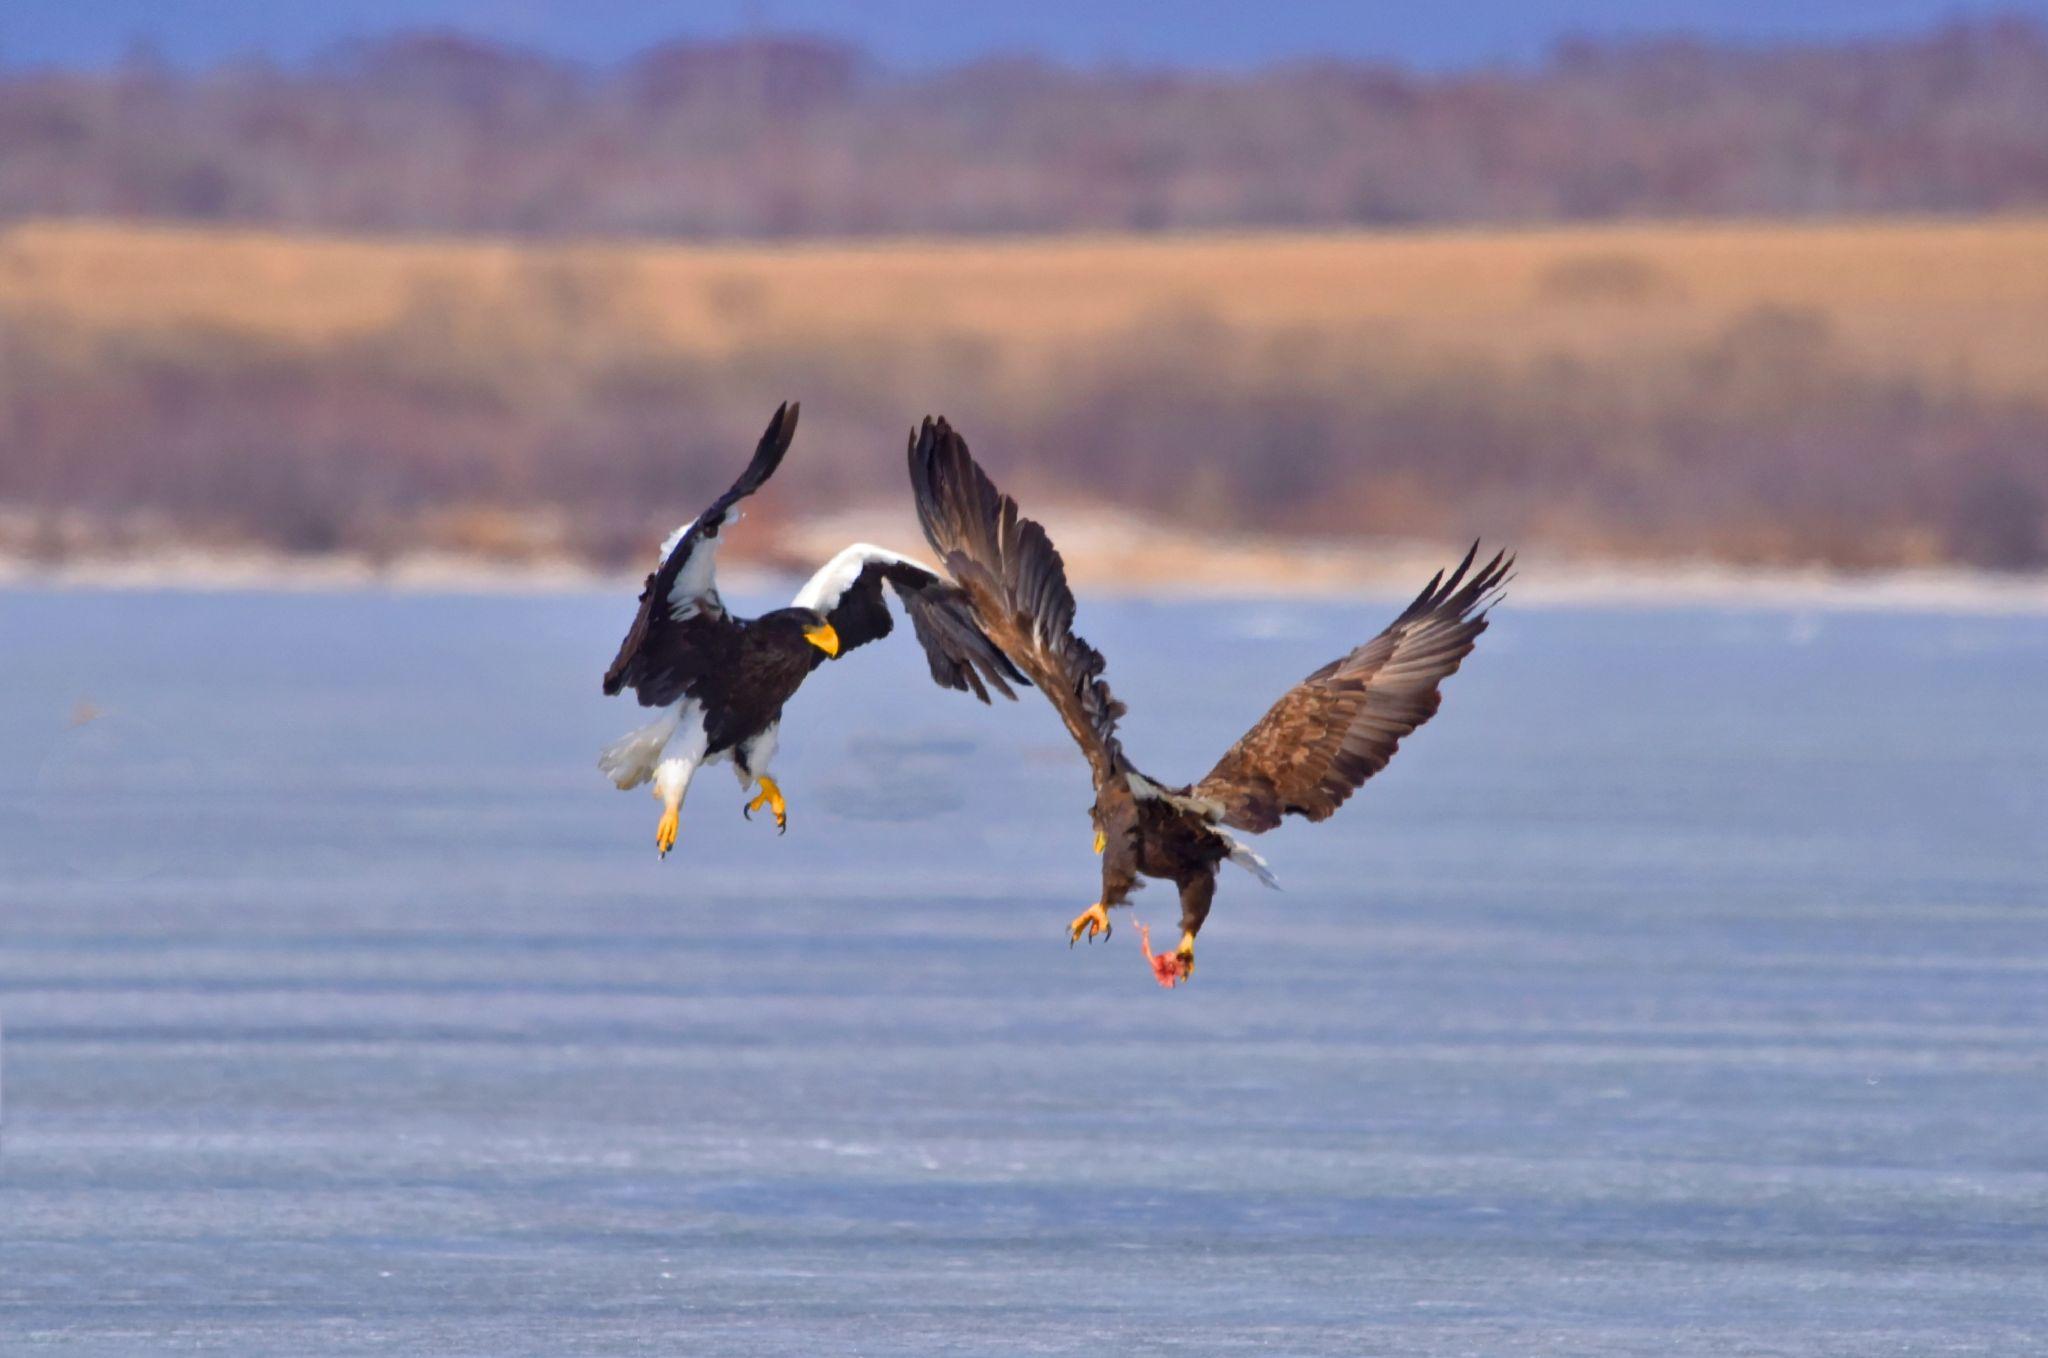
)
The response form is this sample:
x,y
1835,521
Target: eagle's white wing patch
x,y
824,590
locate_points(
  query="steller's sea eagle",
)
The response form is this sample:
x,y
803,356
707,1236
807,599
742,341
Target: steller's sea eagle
x,y
723,680
1327,735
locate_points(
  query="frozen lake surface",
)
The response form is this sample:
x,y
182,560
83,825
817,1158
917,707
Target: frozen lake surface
x,y
1681,990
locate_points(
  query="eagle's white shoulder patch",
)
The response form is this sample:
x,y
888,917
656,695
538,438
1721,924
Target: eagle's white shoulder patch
x,y
824,590
696,584
668,544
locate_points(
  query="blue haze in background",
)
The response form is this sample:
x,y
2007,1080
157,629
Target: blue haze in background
x,y
1218,33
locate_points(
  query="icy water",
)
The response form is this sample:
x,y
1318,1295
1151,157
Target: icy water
x,y
1681,990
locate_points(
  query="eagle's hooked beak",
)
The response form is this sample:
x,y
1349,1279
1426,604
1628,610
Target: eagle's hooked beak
x,y
824,638
1101,841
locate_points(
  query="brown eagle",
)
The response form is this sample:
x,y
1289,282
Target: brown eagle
x,y
1325,736
722,680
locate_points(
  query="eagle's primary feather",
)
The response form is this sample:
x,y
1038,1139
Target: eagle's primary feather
x,y
1341,725
1017,585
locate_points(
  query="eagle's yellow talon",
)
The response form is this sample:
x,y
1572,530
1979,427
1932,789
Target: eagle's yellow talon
x,y
770,797
1090,922
1186,953
665,833
1101,841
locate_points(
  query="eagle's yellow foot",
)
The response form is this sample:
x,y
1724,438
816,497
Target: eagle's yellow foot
x,y
1090,922
770,797
665,833
1101,841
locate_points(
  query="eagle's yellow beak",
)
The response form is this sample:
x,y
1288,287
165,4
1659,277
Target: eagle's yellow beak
x,y
1101,841
824,638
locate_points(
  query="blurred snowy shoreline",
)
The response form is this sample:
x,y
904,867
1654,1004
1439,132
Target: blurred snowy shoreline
x,y
1311,575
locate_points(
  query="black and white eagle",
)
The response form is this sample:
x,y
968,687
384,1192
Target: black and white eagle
x,y
721,681
1305,757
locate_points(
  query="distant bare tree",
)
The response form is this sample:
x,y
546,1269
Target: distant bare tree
x,y
793,136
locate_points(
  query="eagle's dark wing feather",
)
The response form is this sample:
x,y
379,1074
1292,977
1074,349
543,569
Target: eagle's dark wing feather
x,y
961,655
1341,725
682,627
1015,581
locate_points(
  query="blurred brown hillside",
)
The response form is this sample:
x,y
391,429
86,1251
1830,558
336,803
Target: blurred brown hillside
x,y
1855,394
800,137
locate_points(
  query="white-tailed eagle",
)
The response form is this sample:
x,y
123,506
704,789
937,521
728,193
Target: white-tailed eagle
x,y
1325,736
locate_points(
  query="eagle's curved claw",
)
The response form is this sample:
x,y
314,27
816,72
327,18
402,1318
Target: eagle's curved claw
x,y
770,797
1090,922
665,832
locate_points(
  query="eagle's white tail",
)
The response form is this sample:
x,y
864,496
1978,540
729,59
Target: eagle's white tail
x,y
629,761
1242,855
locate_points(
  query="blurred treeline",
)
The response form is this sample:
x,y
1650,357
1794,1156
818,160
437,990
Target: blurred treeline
x,y
1645,398
553,412
799,137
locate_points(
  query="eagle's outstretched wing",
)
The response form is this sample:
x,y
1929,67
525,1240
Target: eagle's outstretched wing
x,y
1017,584
848,591
1341,725
682,624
